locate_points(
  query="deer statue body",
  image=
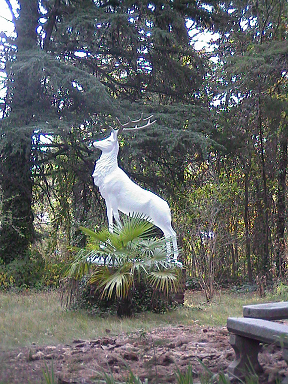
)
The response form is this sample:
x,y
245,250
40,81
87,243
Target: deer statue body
x,y
122,194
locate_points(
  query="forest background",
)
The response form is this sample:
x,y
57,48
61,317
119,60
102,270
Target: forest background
x,y
217,154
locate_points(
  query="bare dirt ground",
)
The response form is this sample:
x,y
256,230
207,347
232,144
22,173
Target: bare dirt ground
x,y
154,355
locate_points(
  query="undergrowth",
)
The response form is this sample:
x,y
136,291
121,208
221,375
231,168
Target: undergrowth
x,y
187,377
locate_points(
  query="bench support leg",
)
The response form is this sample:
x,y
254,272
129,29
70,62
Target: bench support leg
x,y
285,357
246,360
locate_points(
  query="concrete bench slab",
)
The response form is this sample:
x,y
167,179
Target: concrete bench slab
x,y
269,311
245,338
262,330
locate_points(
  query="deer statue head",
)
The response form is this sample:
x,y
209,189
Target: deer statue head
x,y
110,144
107,145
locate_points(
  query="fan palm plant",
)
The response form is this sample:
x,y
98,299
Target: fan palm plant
x,y
115,261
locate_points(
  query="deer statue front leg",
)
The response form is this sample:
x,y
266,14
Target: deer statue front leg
x,y
109,216
112,212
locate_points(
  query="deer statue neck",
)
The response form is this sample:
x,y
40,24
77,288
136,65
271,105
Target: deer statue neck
x,y
107,162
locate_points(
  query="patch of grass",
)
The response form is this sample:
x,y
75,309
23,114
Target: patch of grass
x,y
29,317
49,376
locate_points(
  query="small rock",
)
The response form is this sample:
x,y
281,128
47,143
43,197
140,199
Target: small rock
x,y
112,360
64,380
130,356
50,348
67,351
229,355
171,345
180,341
183,347
282,372
166,360
80,345
50,356
119,343
106,341
37,356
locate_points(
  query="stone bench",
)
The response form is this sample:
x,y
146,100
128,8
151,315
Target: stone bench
x,y
245,338
269,311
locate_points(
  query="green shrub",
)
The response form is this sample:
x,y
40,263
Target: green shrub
x,y
32,271
192,283
281,290
6,280
23,273
52,274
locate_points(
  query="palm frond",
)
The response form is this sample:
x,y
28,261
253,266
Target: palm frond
x,y
100,274
133,227
100,236
166,281
116,242
102,257
80,266
116,282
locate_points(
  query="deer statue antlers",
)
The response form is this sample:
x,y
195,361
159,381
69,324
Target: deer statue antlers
x,y
135,123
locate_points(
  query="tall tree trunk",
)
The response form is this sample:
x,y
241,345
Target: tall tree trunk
x,y
281,202
247,229
266,258
233,262
17,232
17,218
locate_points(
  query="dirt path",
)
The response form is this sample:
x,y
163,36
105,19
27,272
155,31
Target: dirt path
x,y
155,355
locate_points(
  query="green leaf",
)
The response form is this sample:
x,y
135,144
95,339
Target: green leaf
x,y
99,236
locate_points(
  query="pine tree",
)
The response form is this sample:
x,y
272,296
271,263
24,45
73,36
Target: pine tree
x,y
43,96
91,61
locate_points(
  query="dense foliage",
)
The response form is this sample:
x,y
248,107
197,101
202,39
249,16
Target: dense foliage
x,y
218,152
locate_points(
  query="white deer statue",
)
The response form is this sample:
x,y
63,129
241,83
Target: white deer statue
x,y
122,194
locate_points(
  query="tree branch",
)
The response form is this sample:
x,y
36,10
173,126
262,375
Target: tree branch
x,y
51,23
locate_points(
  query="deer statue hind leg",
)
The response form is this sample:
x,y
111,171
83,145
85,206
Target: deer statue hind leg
x,y
170,235
117,217
161,217
175,245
